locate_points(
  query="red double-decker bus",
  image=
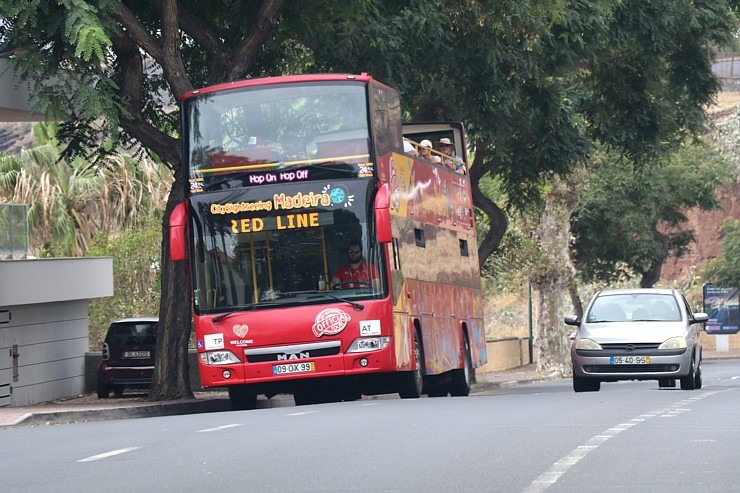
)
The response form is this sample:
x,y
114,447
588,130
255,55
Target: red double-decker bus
x,y
290,180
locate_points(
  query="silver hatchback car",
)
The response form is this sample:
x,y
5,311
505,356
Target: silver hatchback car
x,y
637,334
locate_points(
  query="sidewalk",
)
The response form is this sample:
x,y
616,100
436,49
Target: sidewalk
x,y
89,408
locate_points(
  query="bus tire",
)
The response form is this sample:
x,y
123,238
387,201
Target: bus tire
x,y
412,382
463,377
242,400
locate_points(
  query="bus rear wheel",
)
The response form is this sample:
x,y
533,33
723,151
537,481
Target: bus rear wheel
x,y
462,378
412,382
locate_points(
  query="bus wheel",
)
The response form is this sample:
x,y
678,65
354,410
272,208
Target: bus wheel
x,y
242,400
412,382
462,378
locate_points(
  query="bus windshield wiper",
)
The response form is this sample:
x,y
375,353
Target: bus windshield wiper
x,y
237,308
355,305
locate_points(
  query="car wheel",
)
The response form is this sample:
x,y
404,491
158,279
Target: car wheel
x,y
697,377
689,381
412,382
103,391
581,384
242,400
118,391
461,379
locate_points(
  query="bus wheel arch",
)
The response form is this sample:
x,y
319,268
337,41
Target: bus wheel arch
x,y
462,378
412,382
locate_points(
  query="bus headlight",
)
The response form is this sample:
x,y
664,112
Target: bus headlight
x,y
218,358
363,344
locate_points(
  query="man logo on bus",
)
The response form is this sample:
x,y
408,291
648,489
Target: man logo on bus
x,y
330,321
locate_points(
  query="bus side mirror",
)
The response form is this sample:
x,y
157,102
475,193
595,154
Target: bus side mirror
x,y
177,232
383,215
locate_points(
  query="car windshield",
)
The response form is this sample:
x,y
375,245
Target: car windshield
x,y
132,334
634,307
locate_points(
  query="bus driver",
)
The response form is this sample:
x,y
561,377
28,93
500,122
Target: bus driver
x,y
357,273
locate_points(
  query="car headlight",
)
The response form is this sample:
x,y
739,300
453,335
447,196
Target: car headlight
x,y
587,344
674,343
363,344
218,358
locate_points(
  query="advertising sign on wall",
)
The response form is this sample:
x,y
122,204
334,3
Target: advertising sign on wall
x,y
721,304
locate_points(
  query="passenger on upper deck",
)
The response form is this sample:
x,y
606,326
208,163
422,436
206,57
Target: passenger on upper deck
x,y
425,151
409,148
449,159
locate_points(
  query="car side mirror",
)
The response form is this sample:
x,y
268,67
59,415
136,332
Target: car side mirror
x,y
699,318
572,320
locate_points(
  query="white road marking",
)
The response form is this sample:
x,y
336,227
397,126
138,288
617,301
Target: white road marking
x,y
219,428
301,413
550,477
108,454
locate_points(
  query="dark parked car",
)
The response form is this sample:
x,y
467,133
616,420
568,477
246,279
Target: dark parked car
x,y
128,356
637,334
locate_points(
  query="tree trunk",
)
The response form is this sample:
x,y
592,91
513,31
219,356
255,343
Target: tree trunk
x,y
171,376
554,275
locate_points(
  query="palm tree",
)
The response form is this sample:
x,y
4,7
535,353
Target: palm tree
x,y
70,201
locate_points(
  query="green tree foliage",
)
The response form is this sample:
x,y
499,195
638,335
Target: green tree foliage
x,y
725,271
136,276
632,217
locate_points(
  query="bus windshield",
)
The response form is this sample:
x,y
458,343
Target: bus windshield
x,y
262,247
273,127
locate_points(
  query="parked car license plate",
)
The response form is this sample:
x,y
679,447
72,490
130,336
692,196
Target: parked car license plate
x,y
630,360
136,354
302,367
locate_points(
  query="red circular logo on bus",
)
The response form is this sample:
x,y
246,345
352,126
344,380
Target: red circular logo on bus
x,y
330,322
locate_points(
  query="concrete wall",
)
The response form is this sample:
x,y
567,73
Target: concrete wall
x,y
92,360
15,97
505,354
43,325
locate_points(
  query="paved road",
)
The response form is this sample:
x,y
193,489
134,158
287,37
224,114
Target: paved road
x,y
527,438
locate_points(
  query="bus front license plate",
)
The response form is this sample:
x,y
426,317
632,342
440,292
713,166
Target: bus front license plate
x,y
302,367
630,360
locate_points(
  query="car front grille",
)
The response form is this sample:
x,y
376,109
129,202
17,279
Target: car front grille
x,y
623,346
631,368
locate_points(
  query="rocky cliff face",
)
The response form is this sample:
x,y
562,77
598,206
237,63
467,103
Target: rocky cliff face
x,y
707,230
16,136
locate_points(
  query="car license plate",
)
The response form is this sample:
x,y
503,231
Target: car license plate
x,y
137,354
630,360
302,367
